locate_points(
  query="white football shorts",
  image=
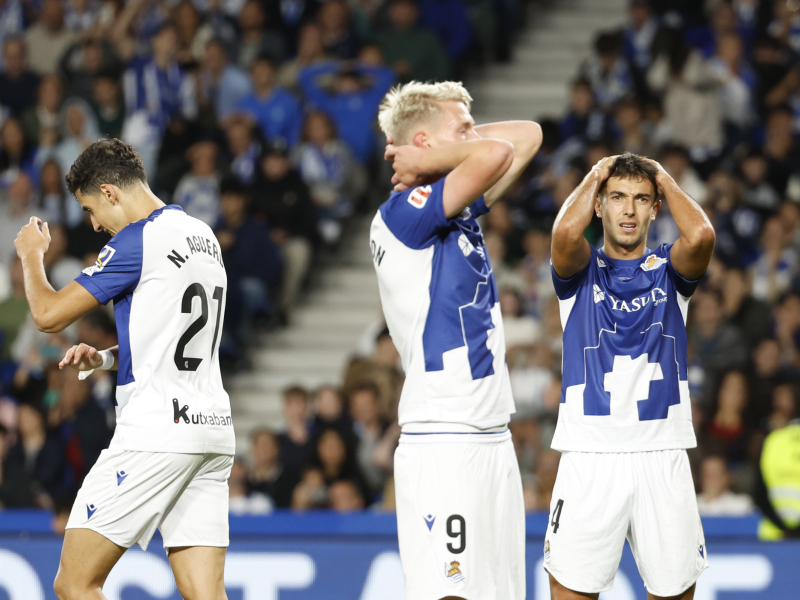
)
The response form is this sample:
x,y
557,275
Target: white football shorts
x,y
128,494
600,499
460,516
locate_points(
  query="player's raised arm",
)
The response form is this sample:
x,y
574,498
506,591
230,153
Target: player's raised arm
x,y
471,168
692,252
51,310
527,139
569,249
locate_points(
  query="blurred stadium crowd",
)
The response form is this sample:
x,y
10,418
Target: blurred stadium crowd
x,y
258,117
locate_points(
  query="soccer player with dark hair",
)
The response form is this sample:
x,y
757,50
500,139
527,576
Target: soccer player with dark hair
x,y
170,458
625,418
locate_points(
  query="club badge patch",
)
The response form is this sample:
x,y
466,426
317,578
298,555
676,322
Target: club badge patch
x,y
102,260
652,262
453,573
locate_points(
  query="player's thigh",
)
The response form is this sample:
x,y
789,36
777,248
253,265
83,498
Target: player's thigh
x,y
666,533
199,572
199,515
450,498
86,560
588,522
687,595
559,592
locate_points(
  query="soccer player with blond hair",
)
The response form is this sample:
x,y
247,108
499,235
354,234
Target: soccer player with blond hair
x,y
460,511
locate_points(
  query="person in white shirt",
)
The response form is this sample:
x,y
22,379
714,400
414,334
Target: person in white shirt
x,y
716,498
170,458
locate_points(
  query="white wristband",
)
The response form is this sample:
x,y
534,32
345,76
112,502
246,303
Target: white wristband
x,y
108,362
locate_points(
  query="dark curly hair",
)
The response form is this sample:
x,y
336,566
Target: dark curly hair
x,y
633,166
106,161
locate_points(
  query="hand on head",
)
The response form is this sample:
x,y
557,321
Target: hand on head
x,y
406,164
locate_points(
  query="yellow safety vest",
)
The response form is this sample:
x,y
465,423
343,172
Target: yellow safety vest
x,y
780,467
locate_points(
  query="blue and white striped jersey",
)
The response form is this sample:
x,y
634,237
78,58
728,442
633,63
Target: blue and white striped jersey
x,y
441,305
625,385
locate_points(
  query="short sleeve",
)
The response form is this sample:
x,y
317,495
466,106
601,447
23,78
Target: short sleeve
x,y
416,216
118,267
685,287
567,288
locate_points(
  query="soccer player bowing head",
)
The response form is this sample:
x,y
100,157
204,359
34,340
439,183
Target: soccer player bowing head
x,y
625,418
168,463
460,512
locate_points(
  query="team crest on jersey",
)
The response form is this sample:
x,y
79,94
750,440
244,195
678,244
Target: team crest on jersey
x,y
599,295
418,197
453,572
547,549
102,260
652,262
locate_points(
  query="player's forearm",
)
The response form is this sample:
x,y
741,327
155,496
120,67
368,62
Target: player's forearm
x,y
577,211
443,159
526,136
40,294
693,224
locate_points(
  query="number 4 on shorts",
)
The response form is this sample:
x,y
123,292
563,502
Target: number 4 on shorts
x,y
556,515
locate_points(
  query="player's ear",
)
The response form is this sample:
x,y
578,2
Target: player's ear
x,y
656,208
109,193
421,140
598,205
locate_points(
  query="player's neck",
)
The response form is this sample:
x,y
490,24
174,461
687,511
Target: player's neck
x,y
618,252
141,204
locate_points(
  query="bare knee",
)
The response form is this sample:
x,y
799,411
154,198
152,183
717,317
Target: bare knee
x,y
69,589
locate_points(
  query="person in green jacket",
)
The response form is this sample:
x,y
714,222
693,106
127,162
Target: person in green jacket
x,y
411,50
778,488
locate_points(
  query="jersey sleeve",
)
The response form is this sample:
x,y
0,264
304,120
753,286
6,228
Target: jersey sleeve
x,y
567,288
685,287
118,267
416,216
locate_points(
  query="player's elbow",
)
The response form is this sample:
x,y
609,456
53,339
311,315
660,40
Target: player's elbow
x,y
500,155
48,323
703,237
533,137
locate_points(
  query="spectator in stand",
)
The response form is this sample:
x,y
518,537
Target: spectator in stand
x,y
309,51
523,330
676,161
784,407
107,106
241,500
16,209
382,369
13,310
786,313
716,498
257,39
276,111
243,149
632,134
339,39
156,90
42,123
18,84
737,81
17,155
84,61
607,71
54,207
376,440
224,85
12,20
772,274
413,52
334,456
48,39
252,261
329,170
689,88
767,373
781,149
78,131
345,496
198,190
758,193
294,441
351,100
15,485
583,120
329,410
637,38
727,428
193,34
268,475
40,456
750,316
448,20
718,346
282,200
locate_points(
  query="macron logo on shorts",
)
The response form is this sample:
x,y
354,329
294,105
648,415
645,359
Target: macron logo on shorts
x,y
121,475
90,510
418,198
429,521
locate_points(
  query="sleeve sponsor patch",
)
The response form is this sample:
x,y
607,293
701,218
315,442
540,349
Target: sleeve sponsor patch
x,y
102,260
419,196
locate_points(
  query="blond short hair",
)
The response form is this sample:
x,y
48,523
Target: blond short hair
x,y
407,105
